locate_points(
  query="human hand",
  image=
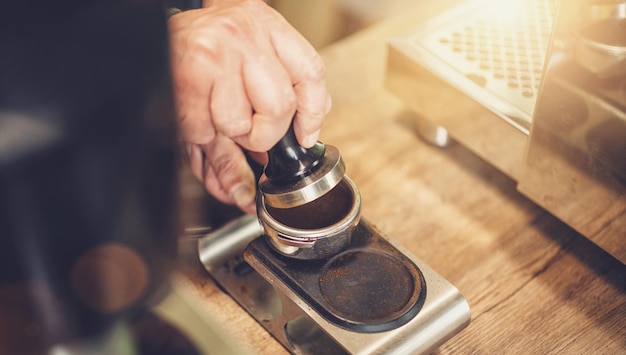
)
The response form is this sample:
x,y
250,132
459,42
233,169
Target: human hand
x,y
241,75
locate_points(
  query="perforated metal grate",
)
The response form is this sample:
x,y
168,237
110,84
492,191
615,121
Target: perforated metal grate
x,y
499,45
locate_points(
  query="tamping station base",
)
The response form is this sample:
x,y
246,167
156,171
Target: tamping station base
x,y
368,288
325,307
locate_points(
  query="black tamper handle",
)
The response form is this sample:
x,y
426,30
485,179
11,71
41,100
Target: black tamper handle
x,y
294,175
289,161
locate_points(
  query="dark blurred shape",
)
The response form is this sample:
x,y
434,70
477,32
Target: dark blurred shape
x,y
155,336
183,4
88,179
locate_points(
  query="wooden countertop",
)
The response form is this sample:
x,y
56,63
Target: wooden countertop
x,y
534,285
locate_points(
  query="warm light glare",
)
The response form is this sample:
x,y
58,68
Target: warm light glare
x,y
506,9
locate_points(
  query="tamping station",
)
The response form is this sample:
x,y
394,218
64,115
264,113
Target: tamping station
x,y
318,277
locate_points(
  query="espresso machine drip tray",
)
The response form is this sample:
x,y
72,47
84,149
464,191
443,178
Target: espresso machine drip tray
x,y
491,50
371,298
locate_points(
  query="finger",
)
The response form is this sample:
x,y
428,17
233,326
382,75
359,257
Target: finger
x,y
308,74
191,94
193,113
259,157
231,172
312,107
196,160
273,100
213,186
230,109
307,130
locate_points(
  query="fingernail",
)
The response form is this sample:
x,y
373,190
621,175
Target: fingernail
x,y
311,139
243,194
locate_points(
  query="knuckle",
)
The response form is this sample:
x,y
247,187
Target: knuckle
x,y
285,105
236,25
312,119
261,144
224,166
229,24
257,6
315,70
205,137
313,108
192,133
233,127
195,125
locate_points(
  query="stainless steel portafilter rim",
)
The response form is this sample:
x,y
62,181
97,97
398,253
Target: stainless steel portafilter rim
x,y
313,243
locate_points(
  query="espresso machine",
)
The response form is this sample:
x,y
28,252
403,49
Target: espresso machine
x,y
539,92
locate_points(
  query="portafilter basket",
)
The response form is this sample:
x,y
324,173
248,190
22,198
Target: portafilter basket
x,y
316,230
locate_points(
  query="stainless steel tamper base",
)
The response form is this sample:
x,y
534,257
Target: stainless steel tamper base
x,y
307,188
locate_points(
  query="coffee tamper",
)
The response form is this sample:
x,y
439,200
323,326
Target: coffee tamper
x,y
307,206
295,175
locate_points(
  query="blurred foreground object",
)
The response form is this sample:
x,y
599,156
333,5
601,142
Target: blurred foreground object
x,y
88,180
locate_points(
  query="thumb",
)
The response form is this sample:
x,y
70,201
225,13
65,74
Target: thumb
x,y
228,176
